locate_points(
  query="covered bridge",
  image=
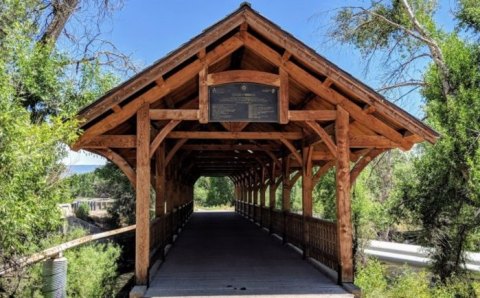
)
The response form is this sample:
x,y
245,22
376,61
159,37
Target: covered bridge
x,y
245,100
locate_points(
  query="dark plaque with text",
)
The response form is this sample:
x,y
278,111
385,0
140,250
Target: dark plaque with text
x,y
243,102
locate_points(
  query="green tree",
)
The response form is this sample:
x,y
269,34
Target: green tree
x,y
220,191
443,195
41,87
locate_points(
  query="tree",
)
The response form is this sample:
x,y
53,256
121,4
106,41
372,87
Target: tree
x,y
220,192
41,87
444,194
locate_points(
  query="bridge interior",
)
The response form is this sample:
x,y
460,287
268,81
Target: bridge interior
x,y
224,254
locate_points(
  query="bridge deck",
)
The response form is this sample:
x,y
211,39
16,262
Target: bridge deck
x,y
222,254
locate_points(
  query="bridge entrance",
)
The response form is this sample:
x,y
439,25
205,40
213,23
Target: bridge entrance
x,y
248,101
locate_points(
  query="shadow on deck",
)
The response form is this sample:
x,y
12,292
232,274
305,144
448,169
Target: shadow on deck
x,y
223,254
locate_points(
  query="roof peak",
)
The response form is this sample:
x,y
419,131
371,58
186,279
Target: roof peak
x,y
245,4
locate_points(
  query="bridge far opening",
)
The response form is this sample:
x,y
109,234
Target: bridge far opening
x,y
213,193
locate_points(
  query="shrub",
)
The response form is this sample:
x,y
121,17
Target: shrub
x,y
372,279
82,211
92,269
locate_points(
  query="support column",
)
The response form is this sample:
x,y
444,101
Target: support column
x,y
160,193
142,234
307,205
250,195
272,194
160,181
262,189
344,221
286,190
255,195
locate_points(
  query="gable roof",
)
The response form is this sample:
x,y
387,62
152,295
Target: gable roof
x,y
344,84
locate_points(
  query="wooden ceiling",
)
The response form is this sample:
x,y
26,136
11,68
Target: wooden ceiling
x,y
245,40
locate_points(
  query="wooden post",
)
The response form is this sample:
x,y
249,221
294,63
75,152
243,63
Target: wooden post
x,y
142,235
160,181
160,192
255,195
203,95
286,191
307,205
262,189
344,221
250,195
272,195
284,100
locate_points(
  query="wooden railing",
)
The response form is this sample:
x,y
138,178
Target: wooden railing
x,y
57,250
162,229
321,241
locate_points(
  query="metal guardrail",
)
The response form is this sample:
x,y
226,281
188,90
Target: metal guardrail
x,y
414,255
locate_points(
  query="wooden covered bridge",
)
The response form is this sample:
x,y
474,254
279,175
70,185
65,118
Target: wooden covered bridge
x,y
245,100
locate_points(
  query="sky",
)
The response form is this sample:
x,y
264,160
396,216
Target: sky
x,y
148,30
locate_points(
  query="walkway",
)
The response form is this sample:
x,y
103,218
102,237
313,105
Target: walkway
x,y
223,254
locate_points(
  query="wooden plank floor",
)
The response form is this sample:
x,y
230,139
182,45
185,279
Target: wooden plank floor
x,y
223,254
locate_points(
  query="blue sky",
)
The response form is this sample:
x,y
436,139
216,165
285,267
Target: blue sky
x,y
148,30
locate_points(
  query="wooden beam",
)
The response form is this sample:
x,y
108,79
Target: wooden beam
x,y
231,147
322,155
366,141
312,115
344,221
120,162
292,149
275,135
160,164
112,141
142,212
328,94
363,162
307,201
162,134
286,187
272,189
241,76
157,92
323,170
203,94
174,150
156,71
174,114
324,136
342,80
283,97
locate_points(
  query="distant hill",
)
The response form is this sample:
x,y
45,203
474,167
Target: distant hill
x,y
81,169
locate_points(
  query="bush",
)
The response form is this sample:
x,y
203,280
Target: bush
x,y
375,281
83,211
92,270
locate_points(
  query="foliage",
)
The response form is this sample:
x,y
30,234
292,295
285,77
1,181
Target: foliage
x,y
115,184
40,89
91,272
80,185
213,191
442,194
375,281
82,211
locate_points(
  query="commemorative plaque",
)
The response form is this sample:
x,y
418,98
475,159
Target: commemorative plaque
x,y
243,102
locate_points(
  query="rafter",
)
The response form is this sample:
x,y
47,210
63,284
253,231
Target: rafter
x,y
274,135
157,92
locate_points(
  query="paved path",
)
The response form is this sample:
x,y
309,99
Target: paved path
x,y
223,254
